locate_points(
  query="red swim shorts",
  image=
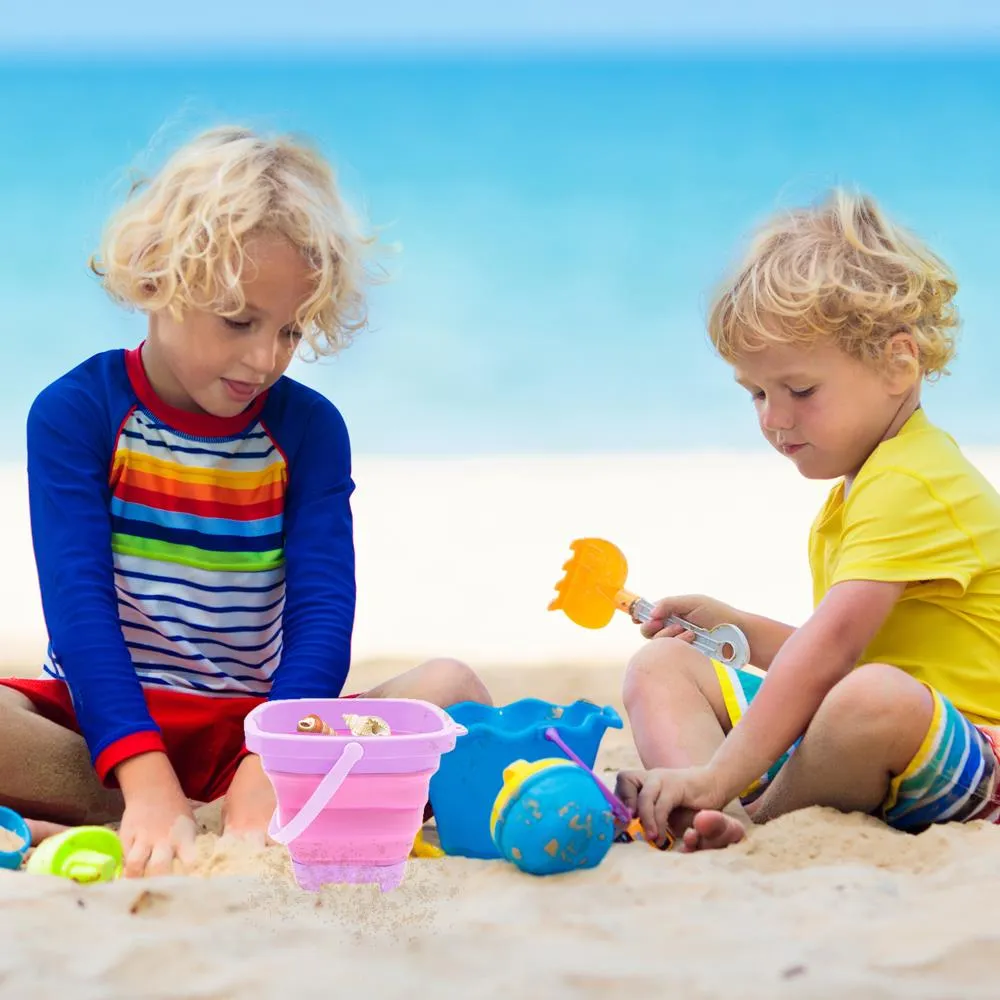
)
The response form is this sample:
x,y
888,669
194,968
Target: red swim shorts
x,y
204,737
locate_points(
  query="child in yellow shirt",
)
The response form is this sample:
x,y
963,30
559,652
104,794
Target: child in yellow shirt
x,y
887,700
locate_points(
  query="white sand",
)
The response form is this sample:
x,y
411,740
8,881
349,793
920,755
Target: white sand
x,y
10,841
460,558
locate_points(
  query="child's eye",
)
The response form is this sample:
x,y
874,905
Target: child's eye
x,y
803,393
237,324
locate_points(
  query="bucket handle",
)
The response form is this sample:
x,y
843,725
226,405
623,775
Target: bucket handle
x,y
319,799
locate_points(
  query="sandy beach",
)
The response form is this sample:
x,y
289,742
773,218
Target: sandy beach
x,y
459,557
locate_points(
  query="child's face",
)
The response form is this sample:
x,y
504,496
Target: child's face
x,y
207,363
822,408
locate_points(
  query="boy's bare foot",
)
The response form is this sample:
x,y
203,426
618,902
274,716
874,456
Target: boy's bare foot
x,y
711,830
41,829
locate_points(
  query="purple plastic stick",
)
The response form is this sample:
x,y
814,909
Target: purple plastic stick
x,y
618,808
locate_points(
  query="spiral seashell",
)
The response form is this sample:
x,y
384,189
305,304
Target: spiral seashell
x,y
313,724
367,725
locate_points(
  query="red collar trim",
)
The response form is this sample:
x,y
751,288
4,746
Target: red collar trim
x,y
195,424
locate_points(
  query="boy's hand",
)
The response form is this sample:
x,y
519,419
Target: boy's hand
x,y
657,793
157,824
705,612
249,803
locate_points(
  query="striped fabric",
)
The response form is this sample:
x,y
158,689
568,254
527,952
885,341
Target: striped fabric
x,y
954,775
738,690
197,542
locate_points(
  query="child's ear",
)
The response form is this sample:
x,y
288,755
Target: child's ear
x,y
902,362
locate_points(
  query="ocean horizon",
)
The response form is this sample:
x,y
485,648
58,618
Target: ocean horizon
x,y
559,222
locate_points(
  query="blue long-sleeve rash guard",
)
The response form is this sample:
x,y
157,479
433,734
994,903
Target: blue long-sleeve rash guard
x,y
182,551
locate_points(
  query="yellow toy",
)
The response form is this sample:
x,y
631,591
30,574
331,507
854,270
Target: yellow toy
x,y
593,589
422,849
634,831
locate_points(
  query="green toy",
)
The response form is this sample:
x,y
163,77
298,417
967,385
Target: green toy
x,y
83,854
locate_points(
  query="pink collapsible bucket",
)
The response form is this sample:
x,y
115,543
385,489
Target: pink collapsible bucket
x,y
349,807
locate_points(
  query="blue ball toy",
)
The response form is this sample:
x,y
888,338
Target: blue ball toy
x,y
550,817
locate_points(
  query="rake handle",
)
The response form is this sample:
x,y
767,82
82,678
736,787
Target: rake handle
x,y
712,645
642,610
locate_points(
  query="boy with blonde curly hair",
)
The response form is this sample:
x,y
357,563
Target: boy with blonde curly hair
x,y
190,507
887,700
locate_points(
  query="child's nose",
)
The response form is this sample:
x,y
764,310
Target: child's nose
x,y
776,417
263,354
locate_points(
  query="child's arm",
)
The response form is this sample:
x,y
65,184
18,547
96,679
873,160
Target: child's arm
x,y
810,662
158,823
814,659
320,589
896,531
69,440
764,635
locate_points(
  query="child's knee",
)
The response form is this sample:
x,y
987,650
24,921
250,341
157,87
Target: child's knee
x,y
876,698
661,663
449,681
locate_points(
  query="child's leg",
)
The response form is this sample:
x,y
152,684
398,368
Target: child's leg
x,y
442,682
883,743
679,718
674,704
45,769
863,737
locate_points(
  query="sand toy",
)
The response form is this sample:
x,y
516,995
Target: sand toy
x,y
556,815
550,818
465,788
82,854
16,839
593,589
349,808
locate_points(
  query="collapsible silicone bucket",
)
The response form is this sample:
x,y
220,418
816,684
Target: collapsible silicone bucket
x,y
349,807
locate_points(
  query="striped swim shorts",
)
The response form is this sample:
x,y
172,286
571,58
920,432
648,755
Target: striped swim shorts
x,y
953,777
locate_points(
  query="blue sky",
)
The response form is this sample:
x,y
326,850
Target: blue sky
x,y
197,24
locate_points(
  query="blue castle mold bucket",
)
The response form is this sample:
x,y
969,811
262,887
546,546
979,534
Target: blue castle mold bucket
x,y
463,790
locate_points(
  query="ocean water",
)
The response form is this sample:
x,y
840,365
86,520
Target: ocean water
x,y
561,221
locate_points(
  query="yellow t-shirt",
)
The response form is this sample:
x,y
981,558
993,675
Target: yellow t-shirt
x,y
919,512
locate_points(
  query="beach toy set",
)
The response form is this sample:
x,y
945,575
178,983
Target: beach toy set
x,y
351,787
519,781
463,793
352,777
83,854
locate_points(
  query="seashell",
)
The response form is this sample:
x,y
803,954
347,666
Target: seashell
x,y
367,725
313,724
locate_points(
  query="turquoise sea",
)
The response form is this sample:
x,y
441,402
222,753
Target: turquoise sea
x,y
560,221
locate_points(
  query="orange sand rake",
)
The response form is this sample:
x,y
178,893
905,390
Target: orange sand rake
x,y
593,589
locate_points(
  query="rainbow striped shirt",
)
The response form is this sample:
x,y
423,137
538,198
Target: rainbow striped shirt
x,y
182,551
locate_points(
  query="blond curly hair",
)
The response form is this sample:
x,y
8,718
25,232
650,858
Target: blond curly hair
x,y
179,240
838,271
